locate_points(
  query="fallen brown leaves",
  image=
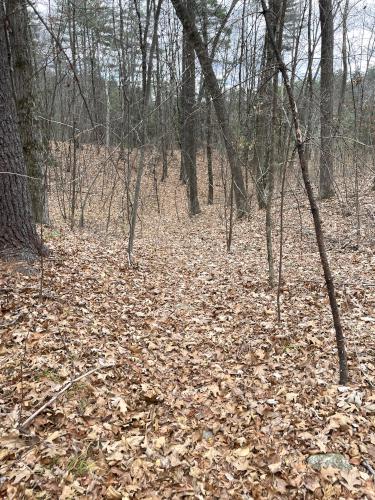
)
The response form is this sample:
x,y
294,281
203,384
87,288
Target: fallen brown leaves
x,y
210,396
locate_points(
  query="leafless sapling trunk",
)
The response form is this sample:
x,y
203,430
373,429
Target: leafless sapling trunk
x,y
340,339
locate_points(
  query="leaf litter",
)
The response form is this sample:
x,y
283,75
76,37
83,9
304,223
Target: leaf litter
x,y
209,396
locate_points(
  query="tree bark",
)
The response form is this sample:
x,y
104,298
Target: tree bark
x,y
278,13
218,102
30,132
344,53
18,237
210,173
159,105
189,125
326,99
209,123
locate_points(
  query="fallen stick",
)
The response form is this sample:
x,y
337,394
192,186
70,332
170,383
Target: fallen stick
x,y
13,321
368,467
28,421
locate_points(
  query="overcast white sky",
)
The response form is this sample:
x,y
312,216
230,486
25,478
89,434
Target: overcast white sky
x,y
361,26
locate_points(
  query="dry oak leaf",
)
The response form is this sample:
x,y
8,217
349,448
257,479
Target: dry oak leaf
x,y
134,441
275,466
241,464
117,456
352,478
368,490
331,491
211,454
120,404
338,421
68,493
242,452
113,494
159,442
311,482
280,485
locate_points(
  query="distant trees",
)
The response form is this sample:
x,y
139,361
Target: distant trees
x,y
18,237
219,104
115,77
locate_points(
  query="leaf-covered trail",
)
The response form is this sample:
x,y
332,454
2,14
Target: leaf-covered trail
x,y
210,397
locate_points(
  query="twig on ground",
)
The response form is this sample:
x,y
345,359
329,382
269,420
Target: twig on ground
x,y
369,469
13,321
28,421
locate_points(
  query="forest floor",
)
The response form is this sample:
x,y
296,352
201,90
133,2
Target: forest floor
x,y
209,396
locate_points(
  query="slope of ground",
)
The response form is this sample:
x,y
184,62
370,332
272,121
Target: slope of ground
x,y
208,396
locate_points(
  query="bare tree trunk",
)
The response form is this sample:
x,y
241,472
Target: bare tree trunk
x,y
268,170
18,237
30,131
107,115
309,84
189,125
210,174
264,118
161,113
340,339
219,104
73,46
344,53
326,100
182,115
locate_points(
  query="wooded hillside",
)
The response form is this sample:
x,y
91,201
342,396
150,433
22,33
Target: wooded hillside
x,y
187,236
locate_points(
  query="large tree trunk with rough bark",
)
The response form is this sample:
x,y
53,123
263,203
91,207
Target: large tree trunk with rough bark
x,y
326,99
213,88
18,236
29,128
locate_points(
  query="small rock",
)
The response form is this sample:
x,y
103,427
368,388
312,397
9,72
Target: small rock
x,y
207,434
324,460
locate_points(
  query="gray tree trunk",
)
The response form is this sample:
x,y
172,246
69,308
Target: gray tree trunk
x,y
189,125
18,237
266,119
210,174
209,124
326,100
30,130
